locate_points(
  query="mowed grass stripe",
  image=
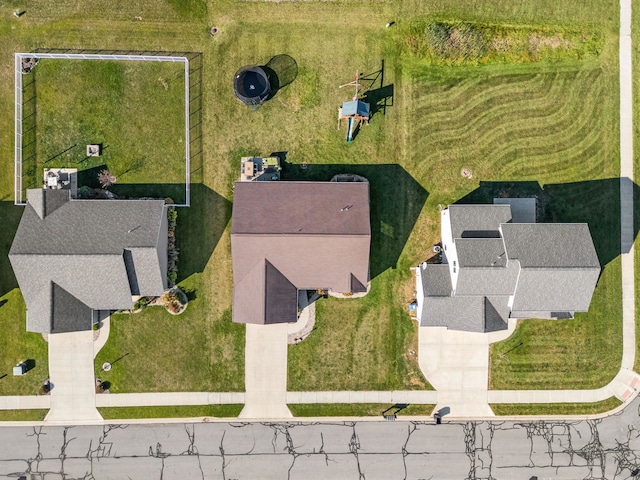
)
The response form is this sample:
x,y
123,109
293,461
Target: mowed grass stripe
x,y
518,105
470,99
521,112
518,136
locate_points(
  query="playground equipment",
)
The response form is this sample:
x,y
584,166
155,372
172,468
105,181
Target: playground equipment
x,y
355,111
251,85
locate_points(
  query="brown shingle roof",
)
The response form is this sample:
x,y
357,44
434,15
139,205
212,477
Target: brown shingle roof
x,y
329,251
311,208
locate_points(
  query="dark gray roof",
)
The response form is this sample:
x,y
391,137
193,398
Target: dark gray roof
x,y
86,227
481,252
468,221
496,313
80,246
436,280
69,313
281,297
487,280
298,228
557,245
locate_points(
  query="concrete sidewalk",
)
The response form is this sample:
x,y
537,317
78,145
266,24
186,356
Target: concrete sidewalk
x,y
71,372
266,372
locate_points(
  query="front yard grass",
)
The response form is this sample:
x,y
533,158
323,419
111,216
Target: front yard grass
x,y
22,415
190,411
357,410
508,409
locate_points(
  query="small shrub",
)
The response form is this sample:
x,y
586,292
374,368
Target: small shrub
x,y
84,192
172,276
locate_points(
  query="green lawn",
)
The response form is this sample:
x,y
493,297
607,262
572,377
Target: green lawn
x,y
636,167
191,411
357,410
22,415
134,109
509,409
554,123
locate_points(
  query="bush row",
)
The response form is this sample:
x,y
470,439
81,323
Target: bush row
x,y
465,43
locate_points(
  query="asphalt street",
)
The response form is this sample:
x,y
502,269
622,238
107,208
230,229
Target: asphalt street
x,y
595,449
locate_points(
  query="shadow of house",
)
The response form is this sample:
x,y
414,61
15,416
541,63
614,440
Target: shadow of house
x,y
595,202
10,215
199,229
396,200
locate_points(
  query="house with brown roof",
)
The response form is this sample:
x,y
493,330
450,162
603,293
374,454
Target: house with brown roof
x,y
293,236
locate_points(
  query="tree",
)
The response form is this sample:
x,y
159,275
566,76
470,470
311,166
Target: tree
x,y
106,179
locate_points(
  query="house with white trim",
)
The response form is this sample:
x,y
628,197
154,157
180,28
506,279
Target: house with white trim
x,y
498,263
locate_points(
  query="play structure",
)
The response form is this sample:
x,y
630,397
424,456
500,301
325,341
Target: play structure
x,y
355,111
251,85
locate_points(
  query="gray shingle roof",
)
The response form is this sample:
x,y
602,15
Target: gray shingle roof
x,y
69,313
470,314
469,221
436,280
549,269
554,289
481,252
487,280
555,245
80,246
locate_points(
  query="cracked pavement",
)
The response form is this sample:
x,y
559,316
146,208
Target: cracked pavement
x,y
606,448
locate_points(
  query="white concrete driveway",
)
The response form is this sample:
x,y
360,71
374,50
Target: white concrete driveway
x,y
457,365
73,397
266,372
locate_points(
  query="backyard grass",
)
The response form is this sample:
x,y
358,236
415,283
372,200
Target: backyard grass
x,y
191,411
134,109
508,409
553,123
358,409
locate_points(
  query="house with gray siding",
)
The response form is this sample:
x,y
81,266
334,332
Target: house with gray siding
x,y
498,263
290,236
77,260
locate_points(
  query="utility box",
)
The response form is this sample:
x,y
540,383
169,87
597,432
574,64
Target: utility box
x,y
19,369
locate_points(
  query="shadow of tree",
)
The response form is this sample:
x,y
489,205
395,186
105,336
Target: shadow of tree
x,y
396,202
595,202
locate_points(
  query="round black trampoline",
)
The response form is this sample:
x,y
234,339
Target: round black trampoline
x,y
251,85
